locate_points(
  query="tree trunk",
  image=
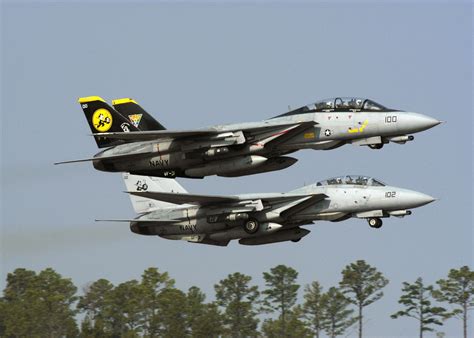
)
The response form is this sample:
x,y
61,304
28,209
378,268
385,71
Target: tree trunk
x,y
333,328
283,310
464,319
421,326
360,320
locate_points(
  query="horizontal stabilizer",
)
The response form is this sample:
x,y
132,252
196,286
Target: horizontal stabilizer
x,y
114,157
138,220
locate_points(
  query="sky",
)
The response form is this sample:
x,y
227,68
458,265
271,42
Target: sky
x,y
194,65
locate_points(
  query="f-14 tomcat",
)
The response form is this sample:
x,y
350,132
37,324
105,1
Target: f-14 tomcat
x,y
135,142
168,211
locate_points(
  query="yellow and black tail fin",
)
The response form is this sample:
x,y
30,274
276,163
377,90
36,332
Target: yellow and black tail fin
x,y
103,118
140,119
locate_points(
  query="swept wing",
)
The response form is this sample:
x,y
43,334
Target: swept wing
x,y
157,134
216,199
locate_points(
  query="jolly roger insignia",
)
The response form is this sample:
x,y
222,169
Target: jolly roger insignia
x,y
135,119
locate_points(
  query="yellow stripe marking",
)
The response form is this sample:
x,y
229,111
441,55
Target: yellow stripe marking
x,y
124,100
358,130
90,99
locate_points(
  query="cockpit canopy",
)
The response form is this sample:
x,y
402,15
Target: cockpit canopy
x,y
342,104
345,104
352,180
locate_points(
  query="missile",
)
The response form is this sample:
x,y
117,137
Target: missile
x,y
401,139
400,213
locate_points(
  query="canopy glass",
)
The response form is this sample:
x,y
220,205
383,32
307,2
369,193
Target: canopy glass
x,y
352,180
346,104
340,104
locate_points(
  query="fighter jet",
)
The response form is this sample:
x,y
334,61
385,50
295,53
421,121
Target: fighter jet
x,y
135,142
168,211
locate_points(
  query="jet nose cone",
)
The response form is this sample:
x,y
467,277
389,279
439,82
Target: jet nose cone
x,y
419,122
430,122
417,199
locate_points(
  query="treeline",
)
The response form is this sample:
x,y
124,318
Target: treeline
x,y
45,304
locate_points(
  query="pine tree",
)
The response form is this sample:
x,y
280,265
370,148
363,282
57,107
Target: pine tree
x,y
95,304
295,327
153,283
239,301
125,310
458,291
172,313
416,298
336,318
281,292
362,285
313,306
39,304
204,320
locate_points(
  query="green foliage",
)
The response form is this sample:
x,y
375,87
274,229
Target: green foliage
x,y
336,318
153,283
38,304
416,298
42,305
238,299
172,313
204,320
125,308
362,285
281,292
295,327
95,303
3,312
458,291
313,307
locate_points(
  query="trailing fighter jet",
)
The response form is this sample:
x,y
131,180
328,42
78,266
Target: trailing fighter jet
x,y
135,142
168,211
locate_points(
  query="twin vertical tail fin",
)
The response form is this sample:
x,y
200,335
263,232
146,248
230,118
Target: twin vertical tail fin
x,y
127,116
102,118
152,184
140,119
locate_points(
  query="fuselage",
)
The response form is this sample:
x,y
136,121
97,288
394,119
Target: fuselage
x,y
223,157
343,201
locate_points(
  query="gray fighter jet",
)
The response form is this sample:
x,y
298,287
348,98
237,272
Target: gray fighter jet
x,y
168,211
135,142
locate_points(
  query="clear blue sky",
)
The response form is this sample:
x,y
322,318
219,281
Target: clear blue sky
x,y
196,65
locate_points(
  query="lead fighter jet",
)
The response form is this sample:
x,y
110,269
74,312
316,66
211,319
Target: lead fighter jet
x,y
168,211
135,142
